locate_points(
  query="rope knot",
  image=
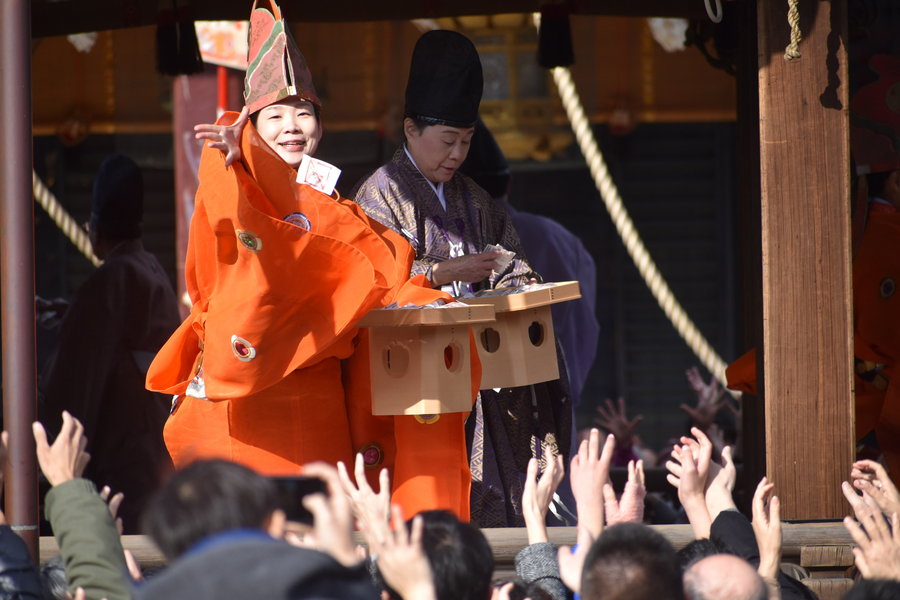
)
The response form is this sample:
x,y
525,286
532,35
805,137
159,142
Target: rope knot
x,y
792,50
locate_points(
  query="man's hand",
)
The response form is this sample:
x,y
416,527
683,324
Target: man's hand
x,y
113,503
870,477
66,458
717,439
538,494
402,561
683,474
332,516
615,420
862,504
226,138
709,399
721,484
767,529
588,472
701,448
878,549
367,504
684,477
571,561
504,592
630,507
469,268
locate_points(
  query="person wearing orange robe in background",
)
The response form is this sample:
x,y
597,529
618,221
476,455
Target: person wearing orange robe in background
x,y
875,139
279,274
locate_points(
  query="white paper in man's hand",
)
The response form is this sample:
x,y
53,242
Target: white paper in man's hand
x,y
504,259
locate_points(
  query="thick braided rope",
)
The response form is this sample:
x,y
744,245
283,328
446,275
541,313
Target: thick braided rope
x,y
792,50
63,220
625,227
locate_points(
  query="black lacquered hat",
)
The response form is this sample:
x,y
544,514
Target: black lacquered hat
x,y
117,204
445,80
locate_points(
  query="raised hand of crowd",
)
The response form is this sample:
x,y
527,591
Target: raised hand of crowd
x,y
538,494
876,529
629,508
767,530
613,418
589,472
870,477
710,399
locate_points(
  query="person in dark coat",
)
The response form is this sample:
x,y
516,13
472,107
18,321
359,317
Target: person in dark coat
x,y
119,319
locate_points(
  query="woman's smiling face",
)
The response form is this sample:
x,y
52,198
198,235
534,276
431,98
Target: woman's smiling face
x,y
290,128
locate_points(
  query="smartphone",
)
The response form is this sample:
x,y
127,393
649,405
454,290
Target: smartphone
x,y
291,491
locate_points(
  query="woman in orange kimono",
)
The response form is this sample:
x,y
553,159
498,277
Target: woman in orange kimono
x,y
279,273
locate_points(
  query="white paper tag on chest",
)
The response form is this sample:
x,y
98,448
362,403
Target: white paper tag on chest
x,y
318,174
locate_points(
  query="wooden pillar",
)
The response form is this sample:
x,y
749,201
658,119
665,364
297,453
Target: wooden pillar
x,y
807,303
17,270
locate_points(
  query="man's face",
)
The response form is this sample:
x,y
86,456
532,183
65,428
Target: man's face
x,y
290,128
438,150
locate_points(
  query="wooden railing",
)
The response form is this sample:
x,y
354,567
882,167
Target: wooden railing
x,y
822,548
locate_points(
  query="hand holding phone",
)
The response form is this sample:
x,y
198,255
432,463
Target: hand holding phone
x,y
292,490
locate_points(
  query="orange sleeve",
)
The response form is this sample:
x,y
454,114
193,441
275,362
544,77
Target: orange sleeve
x,y
270,296
741,374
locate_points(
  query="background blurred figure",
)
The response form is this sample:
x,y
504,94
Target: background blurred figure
x,y
553,251
557,255
875,140
110,333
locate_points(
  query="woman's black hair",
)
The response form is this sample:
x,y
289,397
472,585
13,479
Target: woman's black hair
x,y
255,115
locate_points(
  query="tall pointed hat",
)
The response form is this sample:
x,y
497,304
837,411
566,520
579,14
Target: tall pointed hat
x,y
875,119
275,67
445,80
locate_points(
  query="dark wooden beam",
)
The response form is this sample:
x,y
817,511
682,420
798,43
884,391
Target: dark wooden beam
x,y
753,438
17,271
805,185
62,17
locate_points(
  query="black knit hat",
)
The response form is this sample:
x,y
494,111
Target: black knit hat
x,y
445,80
117,205
485,163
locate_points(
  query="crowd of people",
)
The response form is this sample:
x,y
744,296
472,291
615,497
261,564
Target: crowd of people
x,y
223,531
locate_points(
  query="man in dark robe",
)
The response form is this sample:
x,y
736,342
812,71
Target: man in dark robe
x,y
110,333
554,252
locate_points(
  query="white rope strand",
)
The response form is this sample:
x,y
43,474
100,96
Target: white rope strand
x,y
714,16
625,227
63,220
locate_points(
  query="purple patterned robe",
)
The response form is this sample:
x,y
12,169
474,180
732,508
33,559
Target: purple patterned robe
x,y
508,426
398,196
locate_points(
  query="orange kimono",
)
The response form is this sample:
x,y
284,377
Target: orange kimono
x,y
876,335
279,274
876,326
